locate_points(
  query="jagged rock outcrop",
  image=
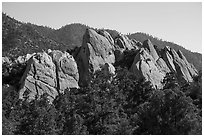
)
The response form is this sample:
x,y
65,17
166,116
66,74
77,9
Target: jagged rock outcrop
x,y
147,44
177,63
168,58
181,68
161,65
144,66
148,64
96,50
192,70
48,74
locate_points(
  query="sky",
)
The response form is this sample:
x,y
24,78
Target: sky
x,y
180,23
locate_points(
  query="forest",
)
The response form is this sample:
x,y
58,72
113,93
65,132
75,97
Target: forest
x,y
109,105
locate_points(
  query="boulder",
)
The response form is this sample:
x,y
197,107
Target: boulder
x,y
96,50
48,74
144,66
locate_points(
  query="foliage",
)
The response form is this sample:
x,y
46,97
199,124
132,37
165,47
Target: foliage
x,y
12,73
128,58
168,112
114,104
195,90
70,35
20,38
35,118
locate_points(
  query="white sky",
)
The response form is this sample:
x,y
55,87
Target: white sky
x,y
180,23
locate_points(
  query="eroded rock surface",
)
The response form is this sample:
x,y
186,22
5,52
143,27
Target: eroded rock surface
x,y
48,74
95,51
148,64
181,67
144,66
147,44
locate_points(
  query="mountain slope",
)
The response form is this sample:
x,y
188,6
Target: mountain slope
x,y
20,38
192,57
71,35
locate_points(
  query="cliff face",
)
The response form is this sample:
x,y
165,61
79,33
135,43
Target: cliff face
x,y
98,48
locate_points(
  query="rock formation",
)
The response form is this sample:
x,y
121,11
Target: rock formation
x,y
53,72
190,66
181,68
147,44
144,66
148,64
162,66
168,59
96,50
48,74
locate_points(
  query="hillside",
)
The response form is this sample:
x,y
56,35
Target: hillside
x,y
192,57
71,35
20,38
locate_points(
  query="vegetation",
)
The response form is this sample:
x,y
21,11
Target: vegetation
x,y
112,105
20,39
